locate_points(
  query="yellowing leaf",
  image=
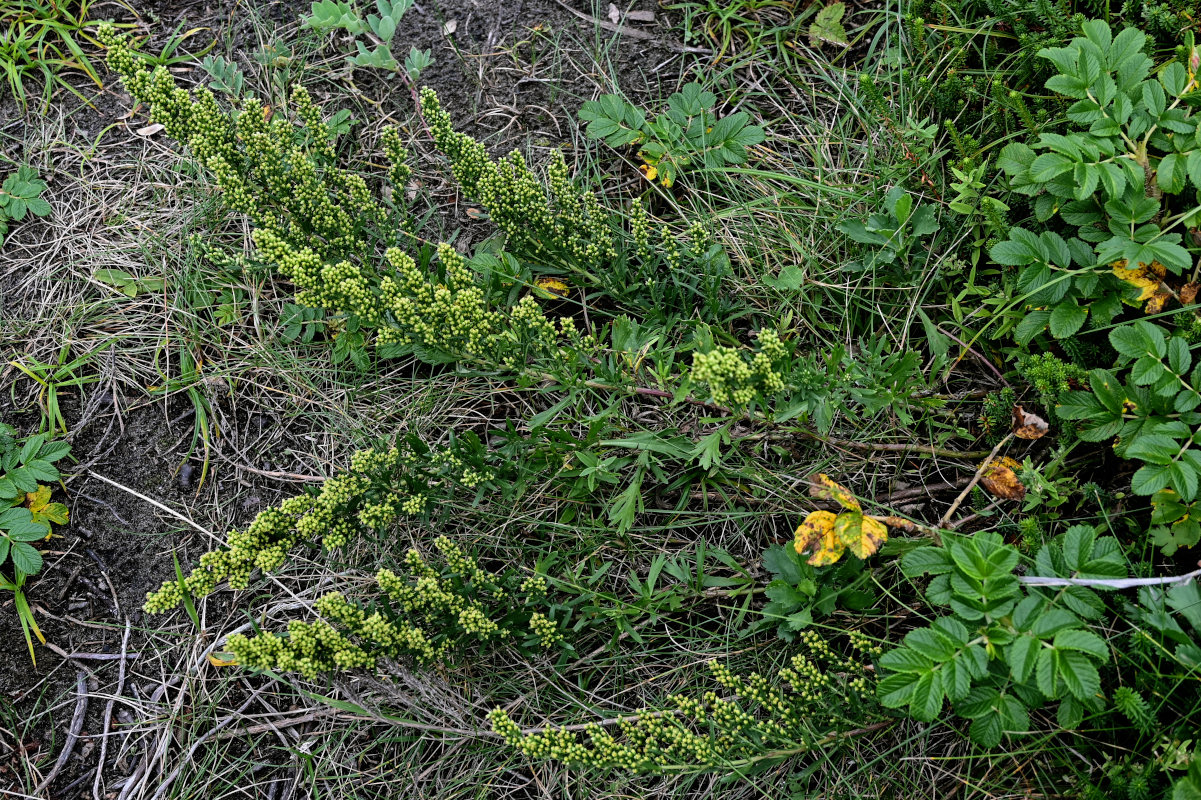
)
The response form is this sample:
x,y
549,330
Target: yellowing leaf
x,y
827,549
859,534
223,662
550,288
813,529
43,511
1147,278
1001,480
650,171
826,489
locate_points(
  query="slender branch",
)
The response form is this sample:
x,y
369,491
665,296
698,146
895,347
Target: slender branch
x,y
1107,583
975,479
81,709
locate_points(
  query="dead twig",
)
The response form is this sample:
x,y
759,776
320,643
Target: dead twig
x,y
81,709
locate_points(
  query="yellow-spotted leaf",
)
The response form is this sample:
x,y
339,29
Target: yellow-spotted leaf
x,y
550,288
827,550
823,488
813,530
859,534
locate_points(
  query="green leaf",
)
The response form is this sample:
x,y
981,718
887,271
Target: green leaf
x,y
1174,78
1067,318
25,558
928,696
1053,621
925,560
902,659
827,26
896,690
1083,641
1031,325
930,644
1023,655
1078,673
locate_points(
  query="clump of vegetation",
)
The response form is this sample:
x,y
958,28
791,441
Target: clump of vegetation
x,y
20,196
40,40
27,515
970,294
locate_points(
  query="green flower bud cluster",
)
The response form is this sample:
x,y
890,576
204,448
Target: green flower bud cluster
x,y
735,381
546,629
640,227
531,214
758,715
399,171
422,615
699,238
368,495
263,545
283,175
669,247
453,316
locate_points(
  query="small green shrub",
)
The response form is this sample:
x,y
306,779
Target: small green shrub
x,y
20,196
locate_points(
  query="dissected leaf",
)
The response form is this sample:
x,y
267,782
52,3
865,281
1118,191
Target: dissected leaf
x,y
1000,479
827,26
1027,425
822,487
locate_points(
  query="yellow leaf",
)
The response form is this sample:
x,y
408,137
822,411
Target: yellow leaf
x,y
222,662
550,288
649,170
859,534
36,501
43,511
827,489
1145,277
815,526
1001,480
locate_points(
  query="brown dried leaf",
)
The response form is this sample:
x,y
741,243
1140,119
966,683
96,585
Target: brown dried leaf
x,y
1027,425
1001,480
1158,300
1188,293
